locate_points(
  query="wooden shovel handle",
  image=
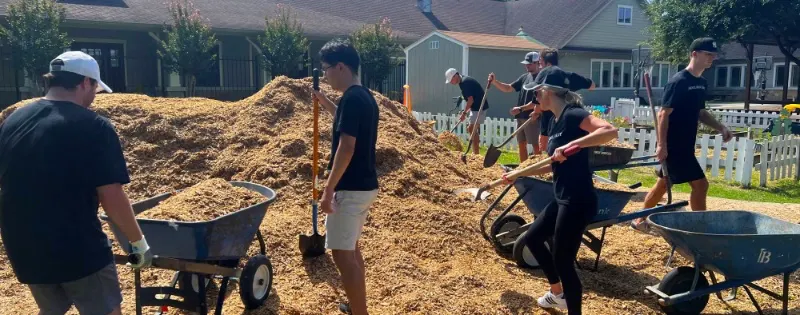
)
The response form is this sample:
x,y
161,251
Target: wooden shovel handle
x,y
516,132
315,156
568,152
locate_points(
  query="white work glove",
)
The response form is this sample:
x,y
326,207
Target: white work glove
x,y
140,252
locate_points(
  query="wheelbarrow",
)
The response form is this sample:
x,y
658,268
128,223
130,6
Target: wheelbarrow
x,y
743,246
202,251
508,231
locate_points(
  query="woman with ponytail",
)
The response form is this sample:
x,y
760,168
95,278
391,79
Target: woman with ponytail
x,y
575,204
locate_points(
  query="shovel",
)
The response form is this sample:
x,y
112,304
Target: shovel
x,y
480,111
479,194
314,245
493,153
655,122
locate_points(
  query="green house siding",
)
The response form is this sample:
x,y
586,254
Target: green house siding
x,y
506,66
604,31
426,67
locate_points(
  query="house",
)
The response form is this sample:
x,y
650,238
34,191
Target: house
x,y
122,35
481,54
726,79
594,37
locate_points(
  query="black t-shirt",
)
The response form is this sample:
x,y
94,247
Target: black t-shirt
x,y
357,116
53,156
576,82
686,95
471,87
572,179
525,96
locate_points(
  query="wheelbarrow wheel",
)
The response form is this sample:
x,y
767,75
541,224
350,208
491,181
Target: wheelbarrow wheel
x,y
256,282
505,224
523,255
680,280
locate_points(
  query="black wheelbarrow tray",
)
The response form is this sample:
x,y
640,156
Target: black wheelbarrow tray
x,y
508,230
203,250
743,246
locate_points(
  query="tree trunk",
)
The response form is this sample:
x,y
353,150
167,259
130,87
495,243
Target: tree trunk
x,y
190,82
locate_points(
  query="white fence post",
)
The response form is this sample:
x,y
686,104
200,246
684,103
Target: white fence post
x,y
715,160
748,162
731,147
764,163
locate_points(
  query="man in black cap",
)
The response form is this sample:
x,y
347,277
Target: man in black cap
x,y
525,105
549,65
682,109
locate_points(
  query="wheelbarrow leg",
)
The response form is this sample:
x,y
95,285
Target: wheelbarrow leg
x,y
221,296
173,282
599,249
672,256
755,303
785,296
137,282
261,245
719,293
202,295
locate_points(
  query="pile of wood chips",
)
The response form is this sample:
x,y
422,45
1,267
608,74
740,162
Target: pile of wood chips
x,y
421,244
616,144
450,141
209,199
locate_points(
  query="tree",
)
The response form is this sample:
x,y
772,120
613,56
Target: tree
x,y
378,49
34,36
283,44
188,49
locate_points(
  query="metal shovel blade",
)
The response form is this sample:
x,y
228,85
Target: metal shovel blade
x,y
312,245
491,157
473,192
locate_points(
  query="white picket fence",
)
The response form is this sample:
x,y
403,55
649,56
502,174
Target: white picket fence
x,y
735,160
621,107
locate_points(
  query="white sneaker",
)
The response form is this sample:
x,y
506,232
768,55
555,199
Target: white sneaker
x,y
550,300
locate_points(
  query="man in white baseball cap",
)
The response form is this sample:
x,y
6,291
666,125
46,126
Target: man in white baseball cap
x,y
50,229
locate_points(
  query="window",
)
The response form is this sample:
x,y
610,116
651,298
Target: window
x,y
612,74
730,76
624,15
435,44
780,72
211,76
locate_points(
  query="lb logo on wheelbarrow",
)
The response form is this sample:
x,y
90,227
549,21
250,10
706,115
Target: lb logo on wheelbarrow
x,y
764,256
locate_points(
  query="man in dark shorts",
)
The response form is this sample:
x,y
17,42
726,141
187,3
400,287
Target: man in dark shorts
x,y
473,92
525,105
683,108
58,160
549,64
352,186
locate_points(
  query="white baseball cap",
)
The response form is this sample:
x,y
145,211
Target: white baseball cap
x,y
81,63
449,74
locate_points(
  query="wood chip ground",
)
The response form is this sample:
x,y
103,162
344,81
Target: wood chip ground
x,y
422,245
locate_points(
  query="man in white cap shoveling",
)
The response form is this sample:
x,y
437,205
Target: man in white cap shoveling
x,y
473,92
58,161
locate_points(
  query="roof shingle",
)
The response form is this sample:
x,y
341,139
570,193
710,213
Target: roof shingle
x,y
494,41
552,22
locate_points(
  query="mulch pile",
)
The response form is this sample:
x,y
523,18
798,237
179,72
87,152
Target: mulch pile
x,y
451,141
422,245
207,200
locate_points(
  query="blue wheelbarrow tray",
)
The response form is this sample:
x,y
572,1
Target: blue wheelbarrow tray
x,y
537,194
739,244
226,237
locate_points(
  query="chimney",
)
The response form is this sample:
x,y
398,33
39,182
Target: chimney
x,y
424,5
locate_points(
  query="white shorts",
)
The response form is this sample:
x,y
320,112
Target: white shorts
x,y
343,227
473,116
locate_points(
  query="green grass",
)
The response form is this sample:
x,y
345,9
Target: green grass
x,y
781,191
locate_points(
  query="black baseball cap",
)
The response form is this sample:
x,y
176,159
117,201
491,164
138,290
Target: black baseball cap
x,y
705,44
531,57
553,77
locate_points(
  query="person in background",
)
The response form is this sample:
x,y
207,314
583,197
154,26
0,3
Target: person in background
x,y
682,109
523,111
352,185
58,160
473,92
575,82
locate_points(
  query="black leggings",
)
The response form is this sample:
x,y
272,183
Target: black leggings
x,y
566,224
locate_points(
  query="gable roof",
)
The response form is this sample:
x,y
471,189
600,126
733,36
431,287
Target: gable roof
x,y
735,51
490,41
235,15
553,22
